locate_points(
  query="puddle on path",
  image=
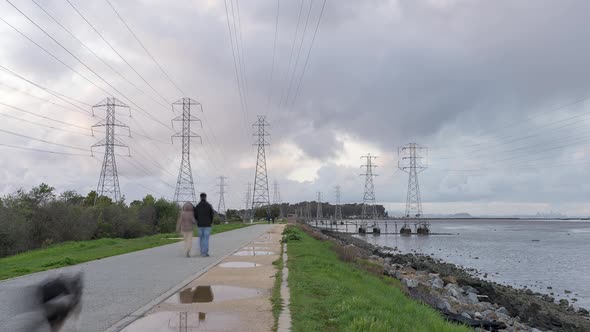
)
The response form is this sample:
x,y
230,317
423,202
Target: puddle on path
x,y
253,253
167,321
215,293
239,264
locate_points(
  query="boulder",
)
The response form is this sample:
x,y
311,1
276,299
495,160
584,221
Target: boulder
x,y
437,283
408,270
469,289
478,315
466,315
453,290
410,283
503,310
444,305
490,315
487,306
450,279
472,298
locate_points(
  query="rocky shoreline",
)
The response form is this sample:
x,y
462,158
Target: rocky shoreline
x,y
462,297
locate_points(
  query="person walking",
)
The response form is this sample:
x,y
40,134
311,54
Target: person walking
x,y
204,216
185,223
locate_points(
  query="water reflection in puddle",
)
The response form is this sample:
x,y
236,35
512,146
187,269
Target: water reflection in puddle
x,y
239,264
215,293
253,253
184,322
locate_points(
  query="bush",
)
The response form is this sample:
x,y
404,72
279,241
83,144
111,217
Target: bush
x,y
38,218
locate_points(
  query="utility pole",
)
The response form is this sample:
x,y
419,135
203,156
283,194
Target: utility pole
x,y
308,211
108,182
369,210
338,207
260,194
411,161
277,198
221,203
247,197
318,213
185,188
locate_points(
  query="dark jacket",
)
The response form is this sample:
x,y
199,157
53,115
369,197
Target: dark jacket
x,y
204,214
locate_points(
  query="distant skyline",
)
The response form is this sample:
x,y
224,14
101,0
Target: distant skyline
x,y
495,89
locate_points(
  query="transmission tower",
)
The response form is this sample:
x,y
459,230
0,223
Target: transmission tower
x,y
369,210
108,182
411,161
260,195
185,188
338,207
247,197
318,213
221,203
308,211
277,198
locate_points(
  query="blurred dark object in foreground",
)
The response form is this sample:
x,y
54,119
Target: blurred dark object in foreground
x,y
54,300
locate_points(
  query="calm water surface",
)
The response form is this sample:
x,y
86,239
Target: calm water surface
x,y
533,253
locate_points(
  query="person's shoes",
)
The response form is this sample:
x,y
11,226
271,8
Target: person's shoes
x,y
188,255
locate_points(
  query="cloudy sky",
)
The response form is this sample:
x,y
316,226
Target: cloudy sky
x,y
495,89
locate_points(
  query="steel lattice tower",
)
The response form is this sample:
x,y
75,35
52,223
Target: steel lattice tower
x,y
369,210
185,188
108,182
338,207
277,198
260,194
247,197
318,213
221,203
410,161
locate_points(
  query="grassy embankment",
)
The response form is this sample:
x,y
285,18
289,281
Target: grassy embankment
x,y
328,294
71,253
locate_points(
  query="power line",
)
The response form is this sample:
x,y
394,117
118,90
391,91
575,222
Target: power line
x,y
43,151
307,58
45,100
145,49
56,94
297,57
78,59
115,70
114,50
241,58
42,140
43,125
43,117
274,50
238,80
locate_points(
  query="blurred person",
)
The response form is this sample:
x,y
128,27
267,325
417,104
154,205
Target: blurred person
x,y
52,302
204,216
185,223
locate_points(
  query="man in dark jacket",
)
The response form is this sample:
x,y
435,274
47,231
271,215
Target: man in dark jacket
x,y
204,216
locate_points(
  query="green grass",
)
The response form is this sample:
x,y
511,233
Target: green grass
x,y
275,299
328,294
72,253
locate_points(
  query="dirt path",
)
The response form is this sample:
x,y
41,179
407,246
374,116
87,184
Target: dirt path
x,y
232,296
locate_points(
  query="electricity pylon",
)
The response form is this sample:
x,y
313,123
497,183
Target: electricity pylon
x,y
221,203
318,213
411,161
369,211
108,182
308,211
247,197
185,188
260,194
277,198
338,207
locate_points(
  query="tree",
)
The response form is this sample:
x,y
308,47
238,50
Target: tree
x,y
72,197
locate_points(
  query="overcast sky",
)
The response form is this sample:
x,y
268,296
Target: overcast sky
x,y
495,89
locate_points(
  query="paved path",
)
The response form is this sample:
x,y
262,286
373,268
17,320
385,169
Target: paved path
x,y
116,287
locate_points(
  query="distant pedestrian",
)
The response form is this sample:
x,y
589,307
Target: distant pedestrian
x,y
204,216
185,224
